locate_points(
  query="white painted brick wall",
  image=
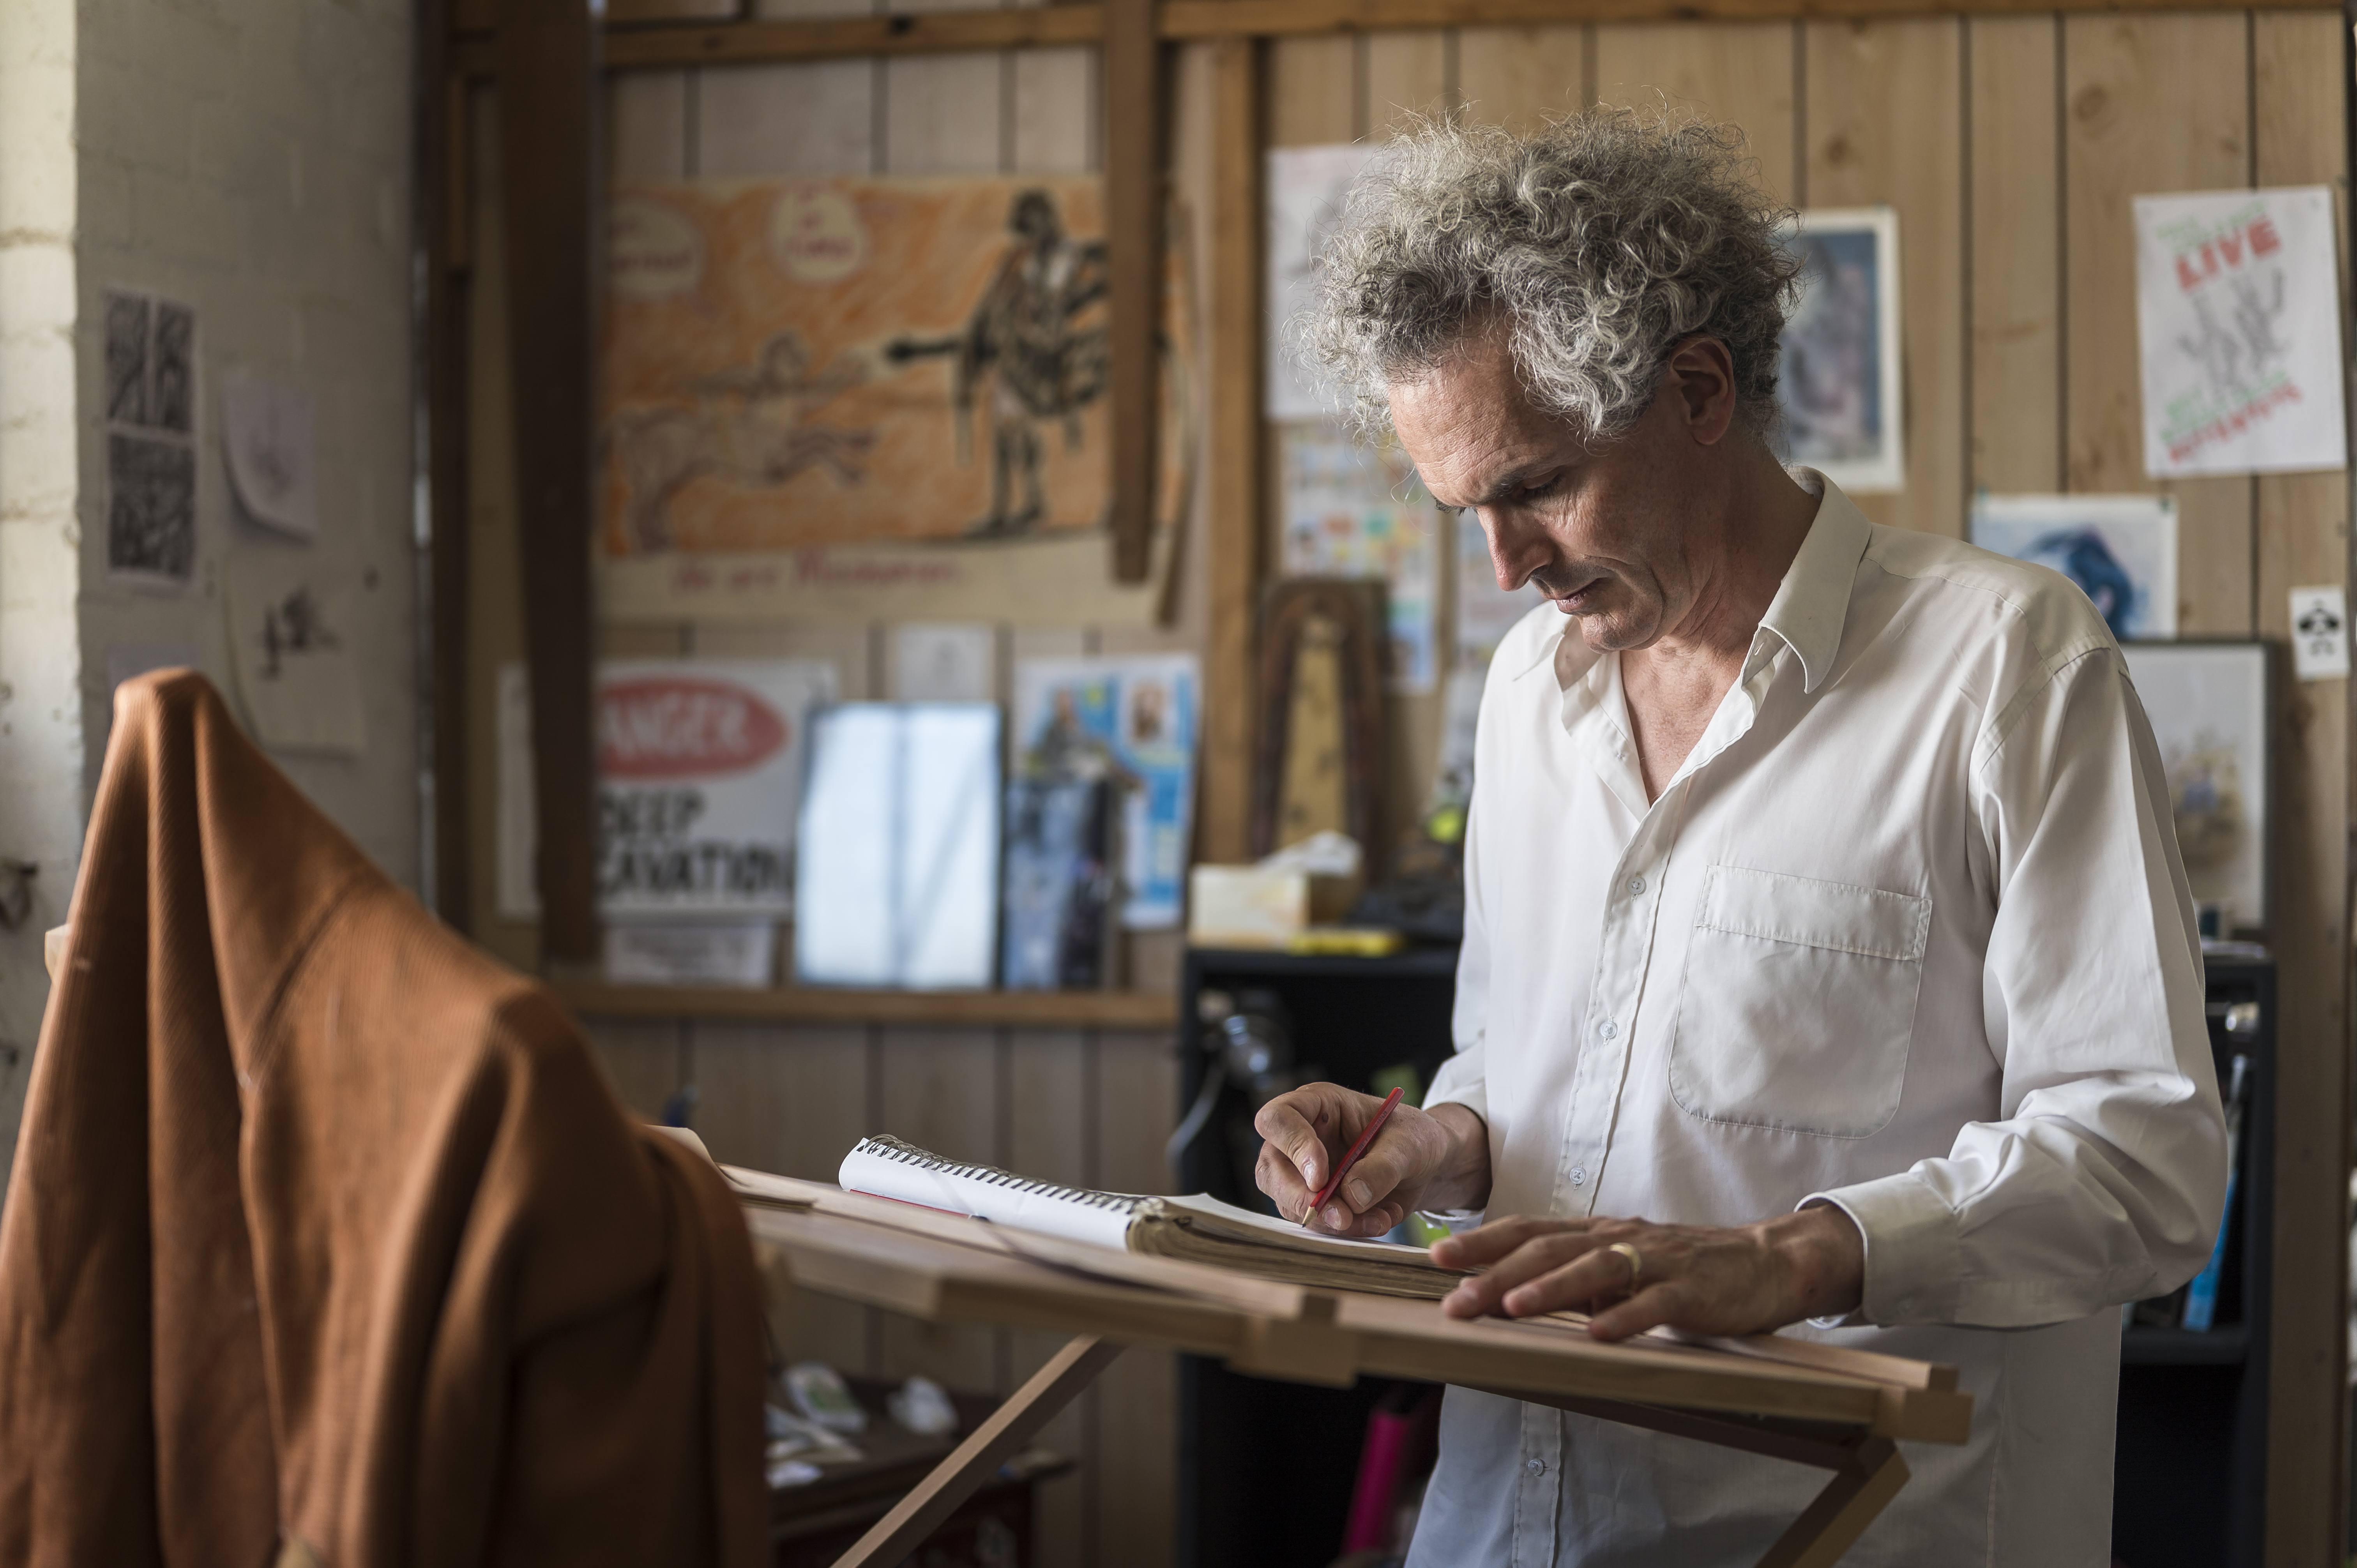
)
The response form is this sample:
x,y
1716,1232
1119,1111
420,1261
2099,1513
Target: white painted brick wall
x,y
251,159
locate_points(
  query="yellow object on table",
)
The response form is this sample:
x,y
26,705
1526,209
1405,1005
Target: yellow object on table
x,y
1350,942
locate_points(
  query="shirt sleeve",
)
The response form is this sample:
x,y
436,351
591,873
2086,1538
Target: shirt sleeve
x,y
2103,1179
1463,1077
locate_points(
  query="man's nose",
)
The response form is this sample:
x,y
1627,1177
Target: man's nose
x,y
1517,547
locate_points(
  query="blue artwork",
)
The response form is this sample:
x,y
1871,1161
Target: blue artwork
x,y
2120,550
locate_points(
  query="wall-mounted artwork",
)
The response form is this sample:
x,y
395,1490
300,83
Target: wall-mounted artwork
x,y
1356,510
1838,376
2120,550
820,366
2209,704
1132,720
1306,190
2238,307
151,456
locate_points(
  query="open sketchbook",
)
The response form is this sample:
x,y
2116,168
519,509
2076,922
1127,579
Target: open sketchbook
x,y
1200,1229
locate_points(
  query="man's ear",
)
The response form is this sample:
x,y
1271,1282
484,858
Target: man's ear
x,y
1701,375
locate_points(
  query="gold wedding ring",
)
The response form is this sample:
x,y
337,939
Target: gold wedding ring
x,y
1636,1265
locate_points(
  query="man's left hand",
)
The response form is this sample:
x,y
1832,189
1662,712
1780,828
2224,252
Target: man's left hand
x,y
1706,1279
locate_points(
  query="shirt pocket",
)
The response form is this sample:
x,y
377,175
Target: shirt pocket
x,y
1798,1003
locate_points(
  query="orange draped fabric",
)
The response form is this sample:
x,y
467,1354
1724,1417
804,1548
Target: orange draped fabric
x,y
324,1226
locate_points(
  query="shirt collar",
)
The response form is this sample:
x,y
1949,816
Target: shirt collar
x,y
1811,605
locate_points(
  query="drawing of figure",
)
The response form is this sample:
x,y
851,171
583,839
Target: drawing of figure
x,y
753,427
1022,336
1067,749
2255,321
2216,349
294,625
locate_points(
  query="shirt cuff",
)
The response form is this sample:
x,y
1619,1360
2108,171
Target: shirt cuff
x,y
1913,1252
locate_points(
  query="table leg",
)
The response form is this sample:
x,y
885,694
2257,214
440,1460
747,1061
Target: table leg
x,y
975,1460
1832,1524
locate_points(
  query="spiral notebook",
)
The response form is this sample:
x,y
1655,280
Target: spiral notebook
x,y
1200,1229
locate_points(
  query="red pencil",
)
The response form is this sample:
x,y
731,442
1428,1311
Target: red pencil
x,y
1365,1138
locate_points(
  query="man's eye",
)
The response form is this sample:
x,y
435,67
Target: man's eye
x,y
1537,488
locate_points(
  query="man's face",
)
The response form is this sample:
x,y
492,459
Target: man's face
x,y
1606,534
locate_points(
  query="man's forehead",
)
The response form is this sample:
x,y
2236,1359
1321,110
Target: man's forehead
x,y
1473,442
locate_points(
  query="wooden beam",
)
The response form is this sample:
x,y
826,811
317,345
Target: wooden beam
x,y
447,583
1131,91
1196,19
950,32
547,59
898,1534
1236,459
837,37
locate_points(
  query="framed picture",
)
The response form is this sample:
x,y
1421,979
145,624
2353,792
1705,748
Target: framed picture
x,y
2211,704
2120,550
1838,376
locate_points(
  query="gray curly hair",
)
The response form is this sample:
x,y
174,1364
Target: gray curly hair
x,y
1602,242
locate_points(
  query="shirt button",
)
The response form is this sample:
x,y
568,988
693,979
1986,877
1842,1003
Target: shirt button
x,y
1536,1466
1579,1175
1636,885
1608,1028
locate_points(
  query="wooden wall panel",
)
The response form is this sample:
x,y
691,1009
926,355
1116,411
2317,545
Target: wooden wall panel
x,y
1045,1108
1884,108
646,125
1514,76
790,1101
1058,119
1407,76
941,115
2299,137
812,117
940,1091
2016,261
1738,71
2152,103
646,1062
1312,91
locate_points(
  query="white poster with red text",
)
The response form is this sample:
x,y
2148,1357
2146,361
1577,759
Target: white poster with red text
x,y
699,781
2238,303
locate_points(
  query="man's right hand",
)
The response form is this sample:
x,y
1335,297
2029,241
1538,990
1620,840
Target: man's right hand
x,y
1436,1159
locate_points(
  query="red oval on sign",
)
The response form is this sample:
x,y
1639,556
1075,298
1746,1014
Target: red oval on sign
x,y
677,726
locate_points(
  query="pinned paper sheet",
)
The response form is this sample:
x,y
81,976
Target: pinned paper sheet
x,y
942,662
2238,298
2319,633
268,429
1307,190
291,641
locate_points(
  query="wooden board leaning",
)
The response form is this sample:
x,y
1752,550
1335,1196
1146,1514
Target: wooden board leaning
x,y
1820,1405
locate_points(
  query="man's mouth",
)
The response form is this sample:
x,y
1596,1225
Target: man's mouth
x,y
1577,600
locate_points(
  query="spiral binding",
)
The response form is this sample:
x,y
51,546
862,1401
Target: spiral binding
x,y
893,1149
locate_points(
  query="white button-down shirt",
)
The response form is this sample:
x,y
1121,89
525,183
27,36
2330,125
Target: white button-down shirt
x,y
1906,932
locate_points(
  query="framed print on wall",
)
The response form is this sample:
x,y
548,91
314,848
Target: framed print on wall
x,y
2211,708
1837,376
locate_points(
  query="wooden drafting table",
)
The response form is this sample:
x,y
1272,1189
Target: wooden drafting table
x,y
1835,1408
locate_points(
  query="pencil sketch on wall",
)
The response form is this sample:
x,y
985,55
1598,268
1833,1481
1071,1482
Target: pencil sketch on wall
x,y
791,364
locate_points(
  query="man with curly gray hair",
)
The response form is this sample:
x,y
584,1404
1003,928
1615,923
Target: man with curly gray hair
x,y
1822,896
